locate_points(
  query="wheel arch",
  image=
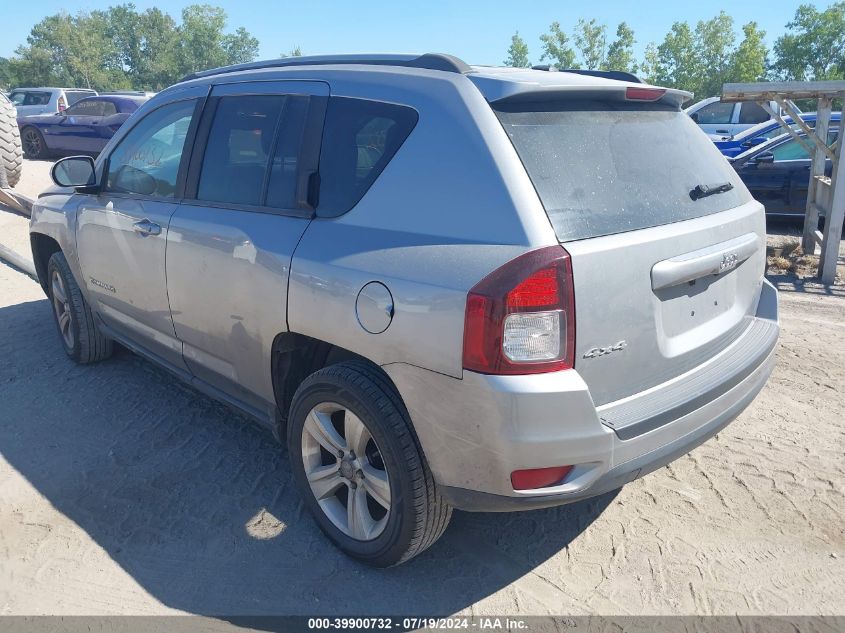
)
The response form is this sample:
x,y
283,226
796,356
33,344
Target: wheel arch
x,y
295,357
43,246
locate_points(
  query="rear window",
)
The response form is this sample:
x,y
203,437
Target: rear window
x,y
359,139
602,168
75,95
26,98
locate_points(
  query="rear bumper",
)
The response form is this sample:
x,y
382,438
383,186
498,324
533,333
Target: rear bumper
x,y
478,430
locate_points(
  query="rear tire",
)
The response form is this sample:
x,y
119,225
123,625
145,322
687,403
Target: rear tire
x,y
391,487
34,146
79,334
11,155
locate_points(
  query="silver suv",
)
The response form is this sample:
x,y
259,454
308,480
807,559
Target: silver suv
x,y
446,286
30,101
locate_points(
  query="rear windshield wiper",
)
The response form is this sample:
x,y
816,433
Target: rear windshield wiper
x,y
702,191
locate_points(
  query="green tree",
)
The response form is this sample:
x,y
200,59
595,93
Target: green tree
x,y
296,51
556,48
714,43
121,48
649,64
79,50
517,53
678,63
591,41
240,47
620,53
814,46
749,59
146,44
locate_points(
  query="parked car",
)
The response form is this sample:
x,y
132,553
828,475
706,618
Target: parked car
x,y
777,173
375,257
31,101
715,117
732,146
137,93
83,128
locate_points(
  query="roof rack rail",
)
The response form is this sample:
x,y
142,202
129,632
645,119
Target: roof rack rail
x,y
430,61
619,75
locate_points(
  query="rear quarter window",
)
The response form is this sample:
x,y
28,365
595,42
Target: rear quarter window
x,y
607,167
360,138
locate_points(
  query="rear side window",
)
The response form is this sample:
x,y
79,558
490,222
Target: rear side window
x,y
25,98
238,149
253,148
793,150
716,112
75,95
360,138
751,112
602,168
89,107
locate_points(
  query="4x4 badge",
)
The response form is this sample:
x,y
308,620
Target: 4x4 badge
x,y
604,351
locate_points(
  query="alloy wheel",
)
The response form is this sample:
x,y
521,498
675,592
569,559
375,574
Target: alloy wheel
x,y
31,142
345,471
62,308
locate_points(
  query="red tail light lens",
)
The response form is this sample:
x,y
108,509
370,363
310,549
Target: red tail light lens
x,y
644,94
520,319
533,478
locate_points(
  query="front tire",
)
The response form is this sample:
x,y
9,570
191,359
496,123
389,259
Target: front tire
x,y
79,334
359,467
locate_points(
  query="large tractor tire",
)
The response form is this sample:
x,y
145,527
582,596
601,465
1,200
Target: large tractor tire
x,y
11,155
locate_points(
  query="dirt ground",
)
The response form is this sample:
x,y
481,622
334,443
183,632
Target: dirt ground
x,y
123,491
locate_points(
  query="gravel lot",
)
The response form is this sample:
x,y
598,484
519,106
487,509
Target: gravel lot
x,y
123,491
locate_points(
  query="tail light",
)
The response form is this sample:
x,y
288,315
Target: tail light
x,y
520,319
644,94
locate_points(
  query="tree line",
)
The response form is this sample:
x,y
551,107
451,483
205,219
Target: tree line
x,y
123,48
701,58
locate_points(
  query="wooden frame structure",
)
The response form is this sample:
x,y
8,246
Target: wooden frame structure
x,y
824,198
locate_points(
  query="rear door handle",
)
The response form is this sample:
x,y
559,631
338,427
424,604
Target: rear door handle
x,y
723,131
145,227
712,260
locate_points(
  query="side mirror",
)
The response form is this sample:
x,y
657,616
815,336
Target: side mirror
x,y
754,141
74,171
765,158
694,116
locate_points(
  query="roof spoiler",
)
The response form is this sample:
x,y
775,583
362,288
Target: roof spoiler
x,y
618,75
508,92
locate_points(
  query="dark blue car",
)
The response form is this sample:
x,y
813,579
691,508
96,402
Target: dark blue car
x,y
734,145
83,128
777,173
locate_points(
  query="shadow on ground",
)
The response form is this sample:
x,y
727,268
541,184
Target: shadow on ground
x,y
198,505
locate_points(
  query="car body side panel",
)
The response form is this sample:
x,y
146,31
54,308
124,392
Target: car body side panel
x,y
227,277
428,240
124,270
54,216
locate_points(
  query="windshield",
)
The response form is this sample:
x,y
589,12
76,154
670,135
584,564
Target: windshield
x,y
608,167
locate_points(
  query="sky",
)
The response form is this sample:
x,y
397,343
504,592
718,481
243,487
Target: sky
x,y
477,31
